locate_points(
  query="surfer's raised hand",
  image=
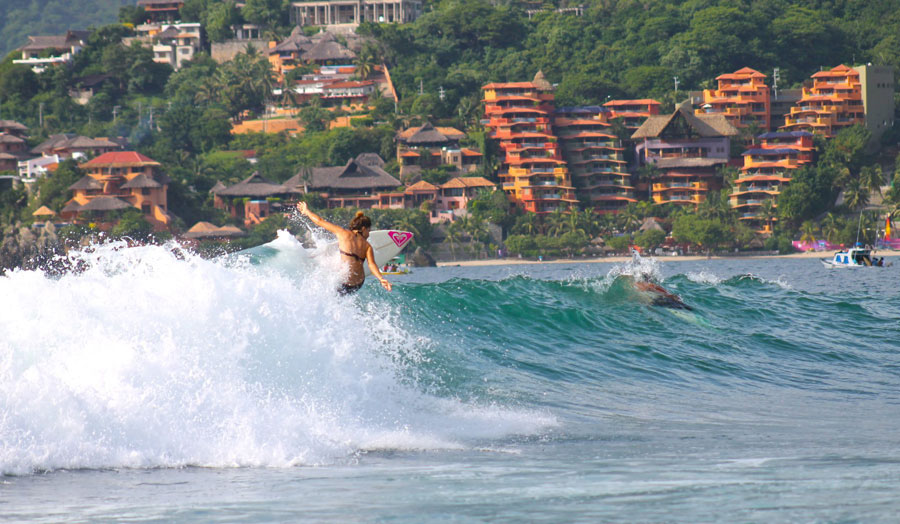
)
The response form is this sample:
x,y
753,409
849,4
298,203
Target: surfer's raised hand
x,y
302,208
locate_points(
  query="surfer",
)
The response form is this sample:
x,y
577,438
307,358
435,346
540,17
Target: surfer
x,y
658,295
354,248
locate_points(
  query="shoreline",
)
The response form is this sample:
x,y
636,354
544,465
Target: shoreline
x,y
620,259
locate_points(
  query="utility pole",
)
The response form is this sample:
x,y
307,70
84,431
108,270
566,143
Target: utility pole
x,y
441,93
775,81
115,112
676,84
421,87
41,114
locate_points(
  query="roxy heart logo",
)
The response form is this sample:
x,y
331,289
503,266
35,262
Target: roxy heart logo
x,y
400,237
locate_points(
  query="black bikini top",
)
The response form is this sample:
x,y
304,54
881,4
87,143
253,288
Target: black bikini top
x,y
353,255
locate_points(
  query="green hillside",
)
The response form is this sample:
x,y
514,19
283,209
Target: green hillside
x,y
21,18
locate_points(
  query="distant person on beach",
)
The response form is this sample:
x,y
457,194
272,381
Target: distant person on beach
x,y
354,248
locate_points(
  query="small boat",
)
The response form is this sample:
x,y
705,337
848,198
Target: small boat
x,y
853,258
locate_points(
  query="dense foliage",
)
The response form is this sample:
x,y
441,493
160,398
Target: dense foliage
x,y
616,48
628,48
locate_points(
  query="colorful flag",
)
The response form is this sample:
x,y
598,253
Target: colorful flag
x,y
887,228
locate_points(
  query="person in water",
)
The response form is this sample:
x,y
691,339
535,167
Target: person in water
x,y
354,248
658,295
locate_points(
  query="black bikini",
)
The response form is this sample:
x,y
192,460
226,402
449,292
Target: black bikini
x,y
346,289
354,255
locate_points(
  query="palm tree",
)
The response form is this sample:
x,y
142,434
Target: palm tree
x,y
574,223
855,195
454,234
831,227
629,218
589,221
646,174
528,224
808,232
365,62
872,178
768,212
556,222
477,230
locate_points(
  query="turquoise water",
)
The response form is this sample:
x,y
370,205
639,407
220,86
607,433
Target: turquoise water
x,y
157,386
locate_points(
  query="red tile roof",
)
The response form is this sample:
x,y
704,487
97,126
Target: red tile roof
x,y
121,157
642,101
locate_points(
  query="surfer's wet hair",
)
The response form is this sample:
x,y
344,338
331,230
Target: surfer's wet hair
x,y
359,222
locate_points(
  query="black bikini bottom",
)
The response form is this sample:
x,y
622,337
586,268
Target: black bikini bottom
x,y
348,289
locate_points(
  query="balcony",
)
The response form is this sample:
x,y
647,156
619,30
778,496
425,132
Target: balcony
x,y
697,186
678,199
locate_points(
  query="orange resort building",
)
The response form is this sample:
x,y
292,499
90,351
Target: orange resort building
x,y
632,113
594,157
834,102
533,173
427,147
767,170
742,96
686,150
118,180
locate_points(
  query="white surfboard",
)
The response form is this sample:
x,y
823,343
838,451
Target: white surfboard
x,y
386,244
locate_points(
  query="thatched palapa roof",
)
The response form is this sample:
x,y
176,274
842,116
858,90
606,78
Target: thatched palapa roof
x,y
87,183
707,126
208,230
141,181
669,163
105,203
254,185
328,49
43,211
427,134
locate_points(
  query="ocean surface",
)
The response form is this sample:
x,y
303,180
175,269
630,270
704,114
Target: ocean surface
x,y
155,386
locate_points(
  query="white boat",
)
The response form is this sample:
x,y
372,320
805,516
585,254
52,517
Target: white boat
x,y
853,258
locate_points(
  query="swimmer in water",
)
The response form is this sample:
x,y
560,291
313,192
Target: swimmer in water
x,y
657,294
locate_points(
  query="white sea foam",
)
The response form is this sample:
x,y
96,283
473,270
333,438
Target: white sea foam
x,y
639,267
154,357
704,277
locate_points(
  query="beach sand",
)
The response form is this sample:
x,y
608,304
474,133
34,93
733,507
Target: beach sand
x,y
617,259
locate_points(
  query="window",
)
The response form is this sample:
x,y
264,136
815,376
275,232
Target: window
x,y
145,190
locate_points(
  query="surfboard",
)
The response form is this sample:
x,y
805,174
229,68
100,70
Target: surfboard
x,y
386,244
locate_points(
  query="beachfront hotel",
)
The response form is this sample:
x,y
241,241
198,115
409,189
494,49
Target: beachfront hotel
x,y
742,97
766,171
594,157
687,150
833,102
533,174
118,180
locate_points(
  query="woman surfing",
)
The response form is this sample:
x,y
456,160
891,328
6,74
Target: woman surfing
x,y
354,248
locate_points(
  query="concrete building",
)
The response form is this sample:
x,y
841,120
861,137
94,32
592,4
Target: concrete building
x,y
877,84
353,12
45,51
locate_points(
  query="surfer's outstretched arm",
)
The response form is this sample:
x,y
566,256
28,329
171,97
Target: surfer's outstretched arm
x,y
321,222
370,257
